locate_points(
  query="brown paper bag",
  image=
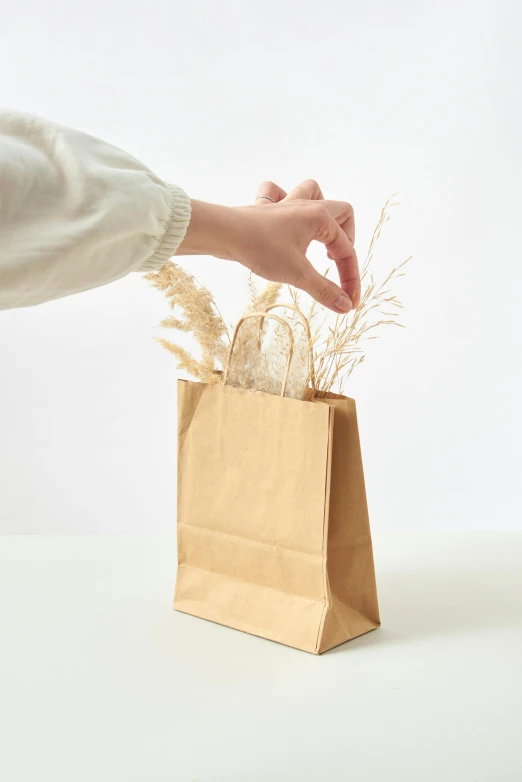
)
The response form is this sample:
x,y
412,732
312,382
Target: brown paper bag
x,y
273,530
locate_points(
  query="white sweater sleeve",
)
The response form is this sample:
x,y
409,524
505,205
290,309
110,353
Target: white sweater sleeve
x,y
76,212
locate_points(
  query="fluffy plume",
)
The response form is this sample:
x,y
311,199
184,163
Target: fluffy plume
x,y
199,316
191,365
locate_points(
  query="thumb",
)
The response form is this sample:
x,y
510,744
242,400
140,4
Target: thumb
x,y
326,292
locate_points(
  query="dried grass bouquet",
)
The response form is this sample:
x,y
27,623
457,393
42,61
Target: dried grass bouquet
x,y
326,347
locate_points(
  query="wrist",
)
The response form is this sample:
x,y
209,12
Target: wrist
x,y
209,231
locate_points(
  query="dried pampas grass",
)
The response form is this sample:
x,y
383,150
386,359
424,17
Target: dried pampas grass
x,y
326,348
262,300
199,316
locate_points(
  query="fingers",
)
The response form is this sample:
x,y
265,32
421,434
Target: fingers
x,y
268,193
343,213
308,190
333,224
325,291
340,249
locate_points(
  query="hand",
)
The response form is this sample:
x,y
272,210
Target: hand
x,y
309,189
271,239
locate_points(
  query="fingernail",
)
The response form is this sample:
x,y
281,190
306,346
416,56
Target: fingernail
x,y
343,303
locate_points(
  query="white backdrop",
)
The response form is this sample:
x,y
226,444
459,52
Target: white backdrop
x,y
368,98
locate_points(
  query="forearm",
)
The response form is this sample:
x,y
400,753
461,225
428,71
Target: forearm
x,y
210,231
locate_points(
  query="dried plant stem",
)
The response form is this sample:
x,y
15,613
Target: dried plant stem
x,y
338,348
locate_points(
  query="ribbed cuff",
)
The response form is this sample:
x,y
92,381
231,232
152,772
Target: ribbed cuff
x,y
180,211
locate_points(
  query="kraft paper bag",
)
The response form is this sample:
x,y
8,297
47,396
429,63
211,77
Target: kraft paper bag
x,y
273,530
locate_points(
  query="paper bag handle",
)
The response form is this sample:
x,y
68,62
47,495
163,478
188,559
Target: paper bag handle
x,y
308,333
290,351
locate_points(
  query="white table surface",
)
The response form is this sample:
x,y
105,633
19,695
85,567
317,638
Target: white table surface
x,y
100,681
